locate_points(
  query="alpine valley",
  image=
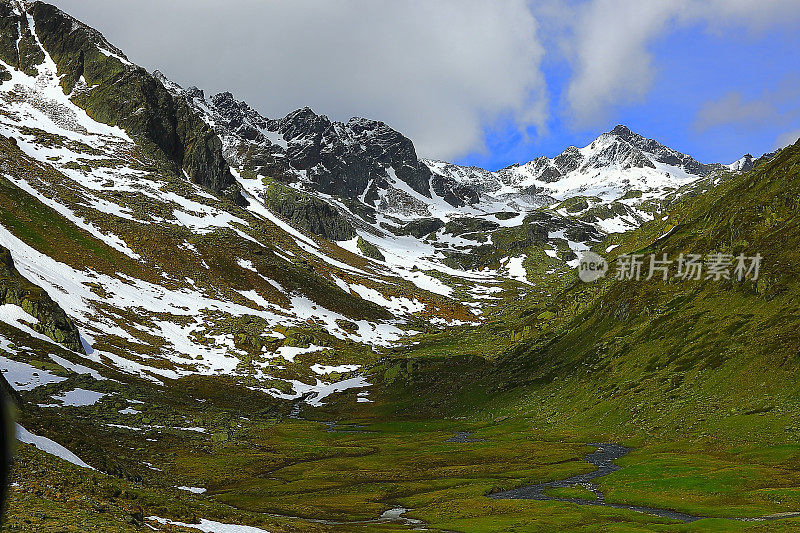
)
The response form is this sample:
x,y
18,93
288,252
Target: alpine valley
x,y
211,320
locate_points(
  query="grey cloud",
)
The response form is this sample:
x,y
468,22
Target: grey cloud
x,y
439,72
778,107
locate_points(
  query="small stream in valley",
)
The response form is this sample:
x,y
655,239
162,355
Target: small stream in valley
x,y
603,458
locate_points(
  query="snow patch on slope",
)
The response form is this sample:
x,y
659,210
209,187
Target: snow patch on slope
x,y
49,446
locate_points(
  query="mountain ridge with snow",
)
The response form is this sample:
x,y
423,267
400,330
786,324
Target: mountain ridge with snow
x,y
197,236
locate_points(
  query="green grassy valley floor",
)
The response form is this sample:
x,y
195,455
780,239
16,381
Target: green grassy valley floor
x,y
300,475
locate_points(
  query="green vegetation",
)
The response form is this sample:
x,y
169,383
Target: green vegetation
x,y
308,212
698,377
573,491
369,249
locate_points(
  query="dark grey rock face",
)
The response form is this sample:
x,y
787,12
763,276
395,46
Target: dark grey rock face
x,y
453,192
356,160
242,119
664,154
461,185
346,159
621,153
548,172
568,160
243,129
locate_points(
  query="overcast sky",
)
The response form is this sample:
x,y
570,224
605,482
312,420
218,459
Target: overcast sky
x,y
488,82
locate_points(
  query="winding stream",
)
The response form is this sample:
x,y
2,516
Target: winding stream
x,y
603,458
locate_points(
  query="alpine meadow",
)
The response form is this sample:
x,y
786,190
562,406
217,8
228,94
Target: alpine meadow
x,y
216,321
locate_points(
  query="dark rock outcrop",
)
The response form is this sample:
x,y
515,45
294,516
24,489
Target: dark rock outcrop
x,y
52,320
421,227
568,160
369,249
453,192
462,225
548,172
356,160
307,212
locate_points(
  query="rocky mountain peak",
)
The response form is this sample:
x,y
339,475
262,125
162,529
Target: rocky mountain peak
x,y
612,150
366,161
659,153
168,84
304,123
623,131
224,100
195,92
568,160
745,164
363,124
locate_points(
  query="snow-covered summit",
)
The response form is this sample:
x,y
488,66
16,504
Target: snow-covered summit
x,y
611,165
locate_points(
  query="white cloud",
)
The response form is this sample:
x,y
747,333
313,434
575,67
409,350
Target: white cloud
x,y
611,61
437,71
611,39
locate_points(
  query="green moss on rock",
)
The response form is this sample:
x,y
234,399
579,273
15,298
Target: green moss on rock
x,y
308,212
18,47
370,250
52,320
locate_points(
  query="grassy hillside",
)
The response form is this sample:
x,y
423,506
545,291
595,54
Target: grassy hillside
x,y
216,361
699,377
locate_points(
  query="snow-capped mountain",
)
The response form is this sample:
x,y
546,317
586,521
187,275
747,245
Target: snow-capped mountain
x,y
360,183
610,166
371,174
176,234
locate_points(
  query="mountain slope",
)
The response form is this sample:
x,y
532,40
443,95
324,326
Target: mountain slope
x,y
677,357
211,318
162,278
319,235
322,241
